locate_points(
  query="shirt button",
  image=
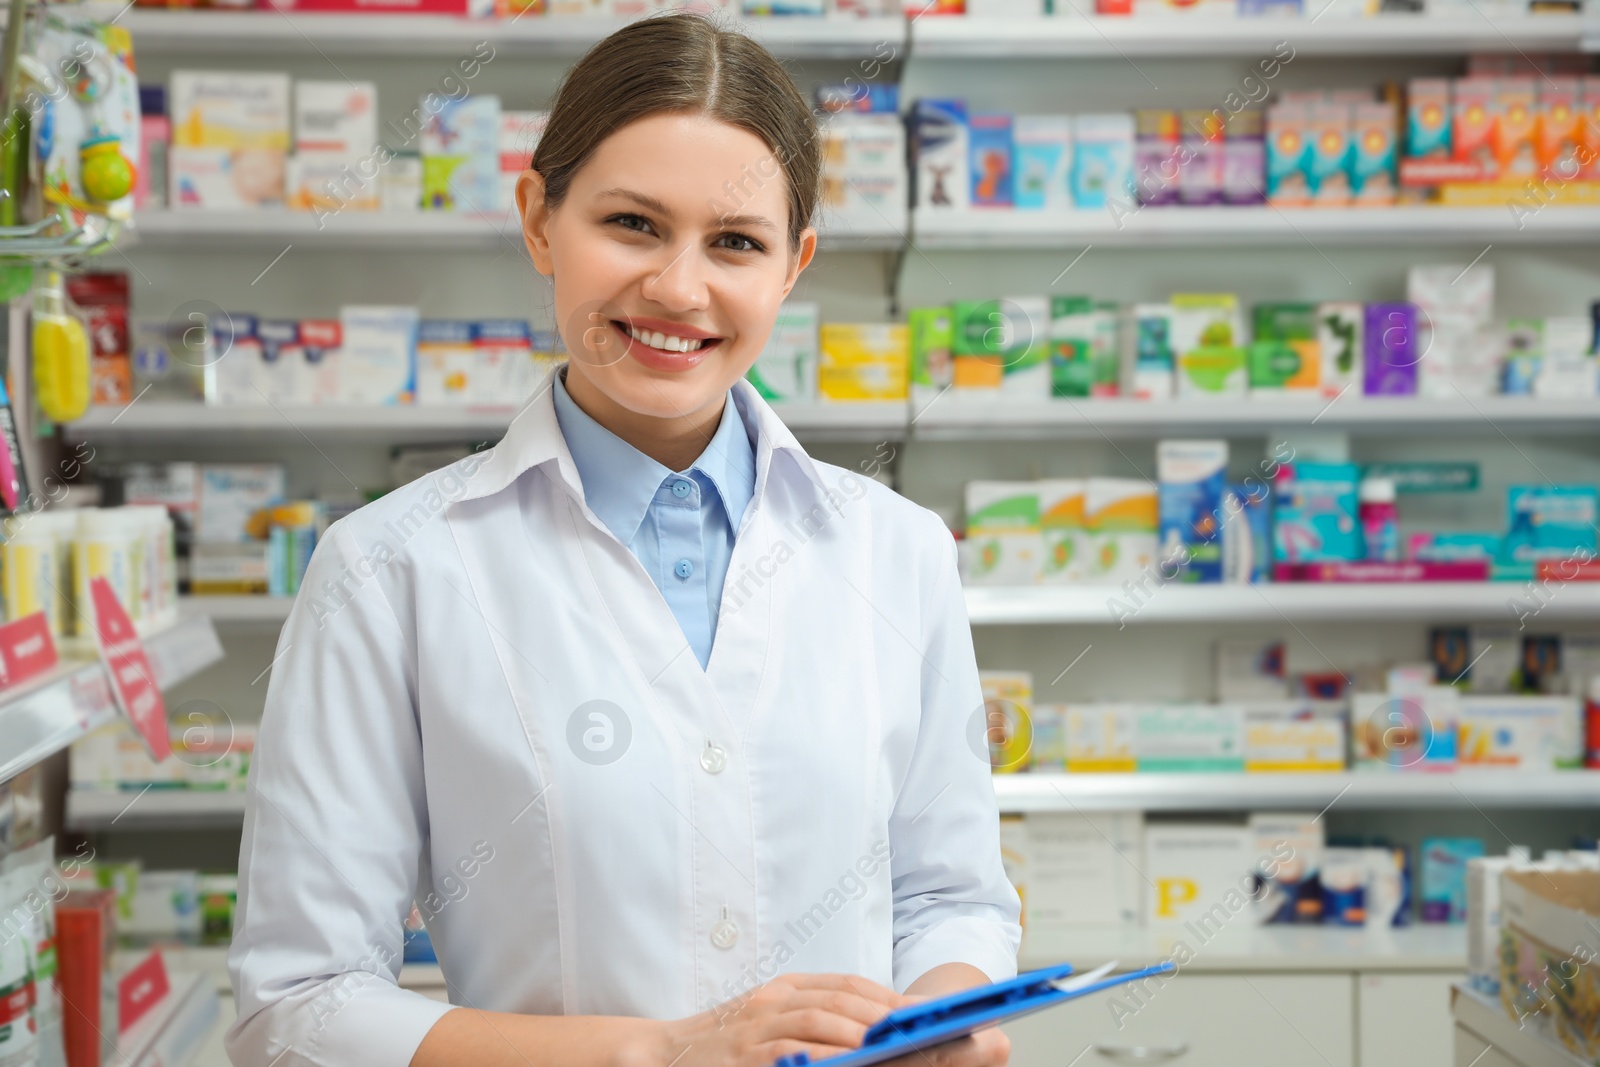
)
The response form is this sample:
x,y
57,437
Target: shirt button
x,y
724,934
713,759
683,568
680,488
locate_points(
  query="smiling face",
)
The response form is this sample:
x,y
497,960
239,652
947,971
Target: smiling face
x,y
669,257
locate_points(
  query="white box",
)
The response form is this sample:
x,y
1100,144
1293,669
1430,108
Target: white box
x,y
447,362
224,179
229,494
400,183
1251,670
1123,520
229,109
519,136
1080,869
1003,539
786,369
1100,737
1064,530
336,117
1525,733
1198,874
330,182
1295,735
378,359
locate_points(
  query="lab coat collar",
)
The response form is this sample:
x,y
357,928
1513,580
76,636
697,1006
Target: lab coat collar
x,y
534,439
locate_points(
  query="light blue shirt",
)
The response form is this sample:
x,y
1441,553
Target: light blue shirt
x,y
681,525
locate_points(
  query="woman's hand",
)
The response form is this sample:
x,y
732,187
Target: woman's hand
x,y
819,1014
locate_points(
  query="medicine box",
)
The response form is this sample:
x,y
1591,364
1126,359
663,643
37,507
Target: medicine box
x,y
336,117
1066,544
1003,541
1007,727
1444,877
1247,533
863,169
1072,338
1102,160
1428,118
461,155
1391,355
1207,339
1122,516
378,362
276,376
1025,347
990,150
929,332
315,361
1153,362
1341,346
862,361
1285,356
1049,738
224,179
1517,733
330,182
1189,737
1014,859
1416,731
1100,738
1079,871
1295,735
447,362
1251,670
786,369
519,136
229,109
1198,872
1192,477
1549,522
939,148
1315,513
1288,851
229,493
1042,156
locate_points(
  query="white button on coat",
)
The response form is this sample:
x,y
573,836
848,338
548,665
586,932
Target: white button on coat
x,y
483,704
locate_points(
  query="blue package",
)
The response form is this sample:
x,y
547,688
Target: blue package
x,y
1549,522
873,98
1102,160
1247,533
939,138
990,153
1454,547
1192,476
1315,513
1444,877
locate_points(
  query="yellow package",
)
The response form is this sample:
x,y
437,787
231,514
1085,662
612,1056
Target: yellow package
x,y
863,361
1100,738
1007,723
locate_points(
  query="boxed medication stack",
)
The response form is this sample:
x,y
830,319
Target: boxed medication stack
x,y
1003,542
939,149
863,169
1193,478
1063,524
1341,346
335,137
1189,737
1199,874
1288,852
378,360
1207,340
1042,146
519,136
1100,738
230,139
1122,515
1008,719
862,361
929,333
1285,357
1079,873
1548,919
1459,344
461,156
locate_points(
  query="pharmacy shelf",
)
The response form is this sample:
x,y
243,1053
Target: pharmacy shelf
x,y
959,418
40,718
279,231
1312,228
1078,35
1309,791
1276,603
273,33
1488,1021
176,1028
184,422
237,609
1250,948
153,809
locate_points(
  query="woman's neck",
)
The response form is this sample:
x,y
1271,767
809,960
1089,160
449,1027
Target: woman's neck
x,y
674,442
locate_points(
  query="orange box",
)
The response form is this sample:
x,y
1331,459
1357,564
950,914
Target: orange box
x,y
1516,120
1472,138
1560,102
1589,129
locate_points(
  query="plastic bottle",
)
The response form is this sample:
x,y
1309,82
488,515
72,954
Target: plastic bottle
x,y
60,353
30,573
104,548
1380,519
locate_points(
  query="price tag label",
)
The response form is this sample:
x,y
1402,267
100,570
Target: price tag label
x,y
140,990
26,649
133,680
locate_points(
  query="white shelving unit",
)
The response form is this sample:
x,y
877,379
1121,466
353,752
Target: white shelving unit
x,y
272,33
48,714
226,609
1254,949
1008,228
390,230
161,809
1297,792
177,1027
1278,602
1335,34
175,422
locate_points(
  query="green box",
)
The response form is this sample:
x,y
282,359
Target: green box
x,y
930,330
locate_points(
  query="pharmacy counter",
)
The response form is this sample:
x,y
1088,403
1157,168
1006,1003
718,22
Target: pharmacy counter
x,y
1243,947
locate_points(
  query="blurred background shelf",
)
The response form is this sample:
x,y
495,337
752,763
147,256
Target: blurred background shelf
x,y
1008,228
391,230
1334,34
1249,948
192,33
1275,602
949,418
177,422
1310,791
46,715
163,809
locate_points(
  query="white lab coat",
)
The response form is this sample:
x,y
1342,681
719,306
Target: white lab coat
x,y
430,734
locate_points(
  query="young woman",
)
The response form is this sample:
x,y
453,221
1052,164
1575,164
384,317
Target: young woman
x,y
673,734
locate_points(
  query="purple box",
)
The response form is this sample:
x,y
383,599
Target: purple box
x,y
1391,350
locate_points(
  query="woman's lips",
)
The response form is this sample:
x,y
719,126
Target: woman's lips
x,y
660,358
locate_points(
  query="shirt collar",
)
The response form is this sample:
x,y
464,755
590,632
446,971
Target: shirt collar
x,y
534,439
619,482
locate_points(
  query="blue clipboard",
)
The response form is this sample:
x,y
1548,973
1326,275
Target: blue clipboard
x,y
934,1022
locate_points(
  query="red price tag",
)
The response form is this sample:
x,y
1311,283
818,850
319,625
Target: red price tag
x,y
132,680
140,990
26,649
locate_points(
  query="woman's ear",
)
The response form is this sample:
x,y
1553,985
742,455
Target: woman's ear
x,y
535,215
806,248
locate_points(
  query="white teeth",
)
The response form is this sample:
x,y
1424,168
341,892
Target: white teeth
x,y
664,341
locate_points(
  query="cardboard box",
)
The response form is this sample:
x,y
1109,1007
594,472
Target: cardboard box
x,y
336,117
1003,543
229,494
1297,735
1550,942
862,361
1189,737
1198,876
1079,869
1100,738
786,369
1008,709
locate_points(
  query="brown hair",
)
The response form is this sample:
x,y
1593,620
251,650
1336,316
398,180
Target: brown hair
x,y
682,62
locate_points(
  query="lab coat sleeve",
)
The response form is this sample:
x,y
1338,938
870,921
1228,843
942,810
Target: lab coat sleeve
x,y
952,900
334,823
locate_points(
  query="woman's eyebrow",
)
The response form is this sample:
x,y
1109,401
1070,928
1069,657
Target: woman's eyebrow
x,y
744,222
648,202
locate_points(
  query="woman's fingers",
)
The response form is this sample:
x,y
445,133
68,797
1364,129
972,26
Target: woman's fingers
x,y
852,983
840,1002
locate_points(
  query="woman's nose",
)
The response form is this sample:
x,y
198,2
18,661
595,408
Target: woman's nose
x,y
679,282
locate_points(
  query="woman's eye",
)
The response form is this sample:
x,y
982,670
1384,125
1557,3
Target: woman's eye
x,y
637,223
738,242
